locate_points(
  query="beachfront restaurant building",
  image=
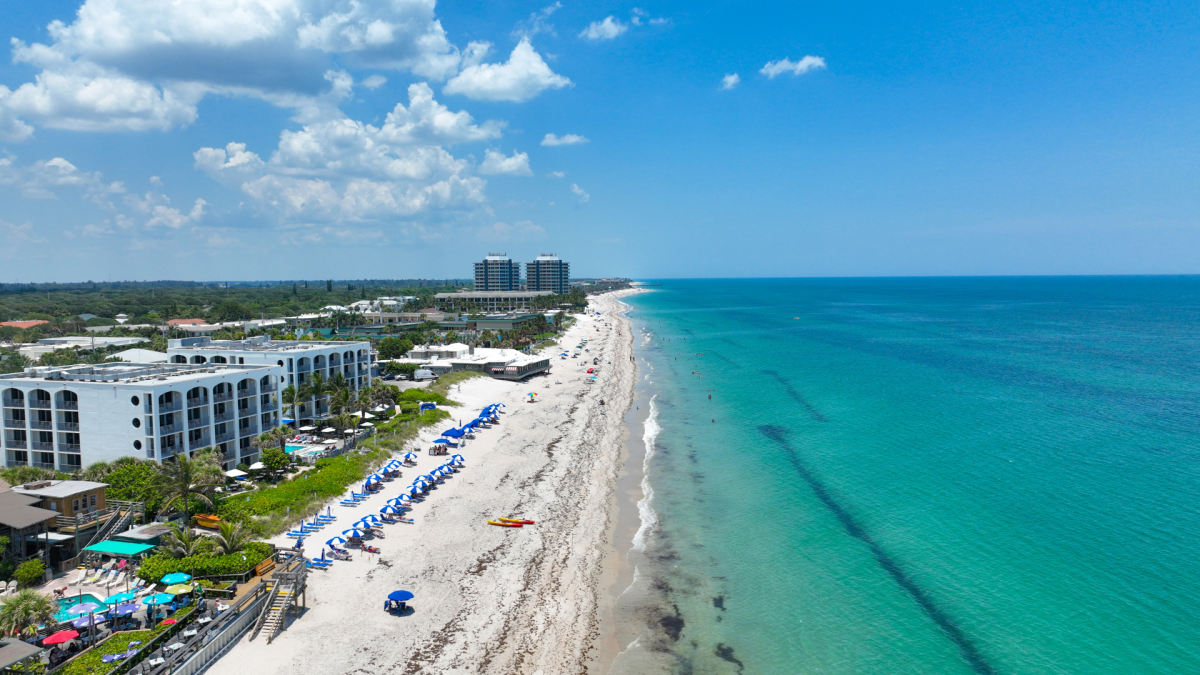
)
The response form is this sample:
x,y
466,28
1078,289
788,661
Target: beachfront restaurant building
x,y
67,417
493,301
502,364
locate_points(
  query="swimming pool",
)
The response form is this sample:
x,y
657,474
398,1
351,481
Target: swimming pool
x,y
67,603
293,448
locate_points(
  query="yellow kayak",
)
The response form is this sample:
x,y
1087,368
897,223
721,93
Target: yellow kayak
x,y
500,524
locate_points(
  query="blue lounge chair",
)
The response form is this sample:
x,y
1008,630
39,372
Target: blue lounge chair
x,y
348,502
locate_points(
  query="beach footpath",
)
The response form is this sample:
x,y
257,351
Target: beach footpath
x,y
487,599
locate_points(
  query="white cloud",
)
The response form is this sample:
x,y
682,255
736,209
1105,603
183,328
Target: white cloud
x,y
91,230
522,229
139,65
22,233
496,163
155,180
557,174
566,139
157,208
607,29
342,170
730,81
426,120
374,82
804,65
537,22
522,77
583,196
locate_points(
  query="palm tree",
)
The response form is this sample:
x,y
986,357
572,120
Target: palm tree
x,y
290,397
21,613
338,382
182,479
231,538
339,401
180,542
316,388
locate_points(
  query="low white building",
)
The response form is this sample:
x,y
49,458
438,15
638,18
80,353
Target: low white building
x,y
71,416
300,360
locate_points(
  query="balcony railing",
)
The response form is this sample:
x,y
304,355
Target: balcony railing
x,y
68,405
246,393
68,447
223,416
270,405
198,422
36,424
41,445
223,438
70,468
168,430
68,426
199,442
45,404
196,402
13,402
248,431
43,465
14,424
247,411
169,407
218,398
15,445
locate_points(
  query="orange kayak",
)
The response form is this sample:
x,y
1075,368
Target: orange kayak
x,y
493,522
522,522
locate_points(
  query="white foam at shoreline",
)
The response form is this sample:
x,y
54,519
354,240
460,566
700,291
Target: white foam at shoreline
x,y
645,512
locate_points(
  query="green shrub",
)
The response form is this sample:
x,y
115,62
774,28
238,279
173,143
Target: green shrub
x,y
157,566
425,396
30,572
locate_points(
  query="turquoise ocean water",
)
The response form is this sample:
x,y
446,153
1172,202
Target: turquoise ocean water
x,y
919,476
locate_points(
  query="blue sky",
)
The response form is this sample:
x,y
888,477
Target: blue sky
x,y
265,139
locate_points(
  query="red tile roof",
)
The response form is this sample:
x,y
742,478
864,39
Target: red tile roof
x,y
23,324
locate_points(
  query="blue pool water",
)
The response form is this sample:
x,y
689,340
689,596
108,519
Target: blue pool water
x,y
933,476
67,603
292,448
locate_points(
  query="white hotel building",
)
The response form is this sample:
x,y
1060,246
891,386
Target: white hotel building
x,y
299,359
67,417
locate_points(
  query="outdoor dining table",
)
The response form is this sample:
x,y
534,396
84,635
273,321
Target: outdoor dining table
x,y
207,619
173,647
191,632
157,661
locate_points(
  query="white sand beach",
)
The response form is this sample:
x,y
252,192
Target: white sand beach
x,y
488,599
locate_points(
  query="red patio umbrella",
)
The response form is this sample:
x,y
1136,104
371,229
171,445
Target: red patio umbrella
x,y
61,637
167,622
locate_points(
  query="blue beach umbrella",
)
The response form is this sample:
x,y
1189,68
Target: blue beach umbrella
x,y
335,541
439,441
176,578
389,509
159,599
411,455
84,608
119,598
456,456
453,433
92,620
353,532
400,596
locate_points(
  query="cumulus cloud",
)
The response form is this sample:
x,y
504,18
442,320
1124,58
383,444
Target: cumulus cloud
x,y
340,170
157,209
495,163
522,77
538,22
566,139
137,65
804,65
607,29
374,82
730,81
583,196
43,178
556,174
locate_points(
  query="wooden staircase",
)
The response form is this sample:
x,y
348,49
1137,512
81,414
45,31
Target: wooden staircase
x,y
287,584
